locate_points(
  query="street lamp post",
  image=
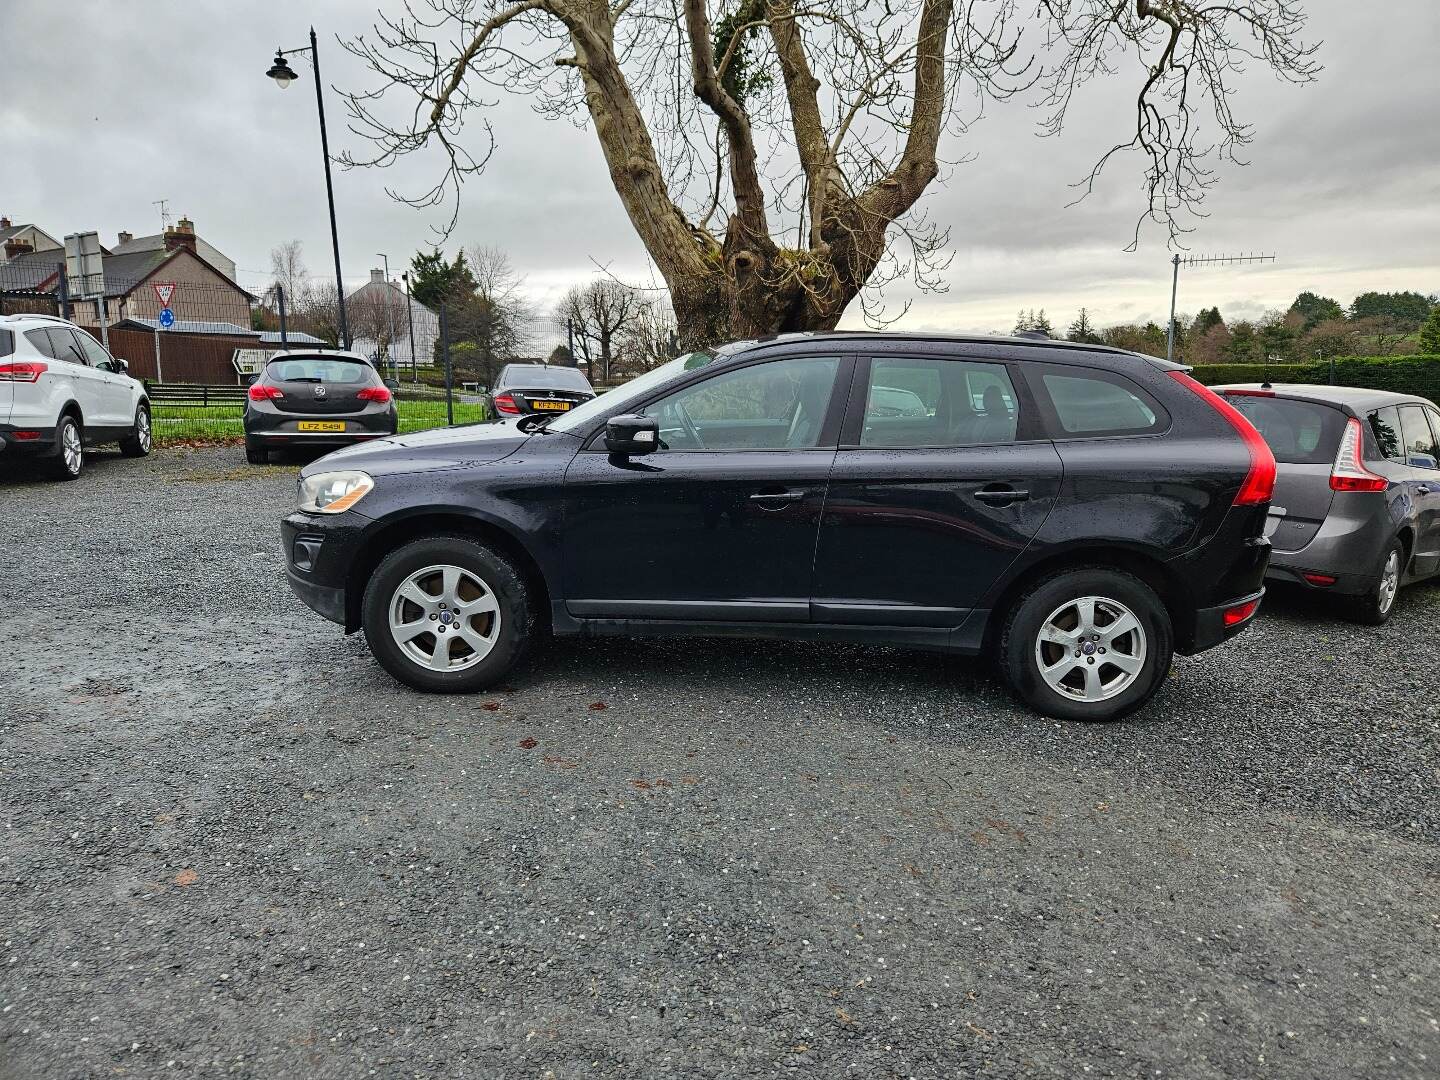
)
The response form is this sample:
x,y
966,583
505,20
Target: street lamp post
x,y
410,314
284,75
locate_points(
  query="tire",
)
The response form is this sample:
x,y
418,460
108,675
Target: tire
x,y
256,454
1092,686
1375,606
445,569
69,460
137,443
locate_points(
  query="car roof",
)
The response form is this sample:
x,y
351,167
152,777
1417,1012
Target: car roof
x,y
39,320
1358,398
1033,347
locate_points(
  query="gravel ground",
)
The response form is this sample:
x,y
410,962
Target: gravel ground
x,y
232,846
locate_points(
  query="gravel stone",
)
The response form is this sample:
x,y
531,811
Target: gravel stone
x,y
232,846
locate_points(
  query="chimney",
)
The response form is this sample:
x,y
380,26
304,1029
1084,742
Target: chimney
x,y
377,276
4,223
125,237
180,235
17,247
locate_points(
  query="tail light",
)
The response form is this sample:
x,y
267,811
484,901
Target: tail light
x,y
259,392
506,404
1259,483
23,371
1349,472
374,393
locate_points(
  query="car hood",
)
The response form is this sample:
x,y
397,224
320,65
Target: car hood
x,y
421,451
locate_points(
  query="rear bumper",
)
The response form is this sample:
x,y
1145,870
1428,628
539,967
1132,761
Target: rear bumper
x,y
11,440
1211,628
1347,546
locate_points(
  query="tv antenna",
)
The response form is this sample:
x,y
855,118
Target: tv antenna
x,y
164,206
1178,261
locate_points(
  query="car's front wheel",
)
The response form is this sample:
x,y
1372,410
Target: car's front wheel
x,y
137,443
447,614
1087,644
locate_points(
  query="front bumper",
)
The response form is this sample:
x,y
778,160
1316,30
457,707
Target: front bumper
x,y
320,553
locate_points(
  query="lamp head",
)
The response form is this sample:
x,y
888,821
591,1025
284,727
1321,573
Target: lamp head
x,y
281,71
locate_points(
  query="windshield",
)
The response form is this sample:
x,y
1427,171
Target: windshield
x,y
634,390
535,377
318,369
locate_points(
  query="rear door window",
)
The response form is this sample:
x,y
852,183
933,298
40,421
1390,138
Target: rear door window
x,y
1420,449
1089,403
1298,432
65,347
938,402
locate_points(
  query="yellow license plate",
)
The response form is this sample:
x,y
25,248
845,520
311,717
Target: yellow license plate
x,y
556,406
321,425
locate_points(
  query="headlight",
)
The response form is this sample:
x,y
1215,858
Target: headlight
x,y
333,492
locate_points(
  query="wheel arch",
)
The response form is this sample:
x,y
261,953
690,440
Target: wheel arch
x,y
1152,571
393,534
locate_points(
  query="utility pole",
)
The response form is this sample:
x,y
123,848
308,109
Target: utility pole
x,y
410,314
1199,260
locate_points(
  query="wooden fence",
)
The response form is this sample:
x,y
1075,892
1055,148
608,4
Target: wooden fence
x,y
188,358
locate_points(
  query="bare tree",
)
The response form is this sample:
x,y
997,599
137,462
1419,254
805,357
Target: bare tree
x,y
498,285
288,271
771,161
649,338
601,314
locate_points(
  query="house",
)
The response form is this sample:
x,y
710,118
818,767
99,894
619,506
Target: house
x,y
202,292
23,239
129,244
380,314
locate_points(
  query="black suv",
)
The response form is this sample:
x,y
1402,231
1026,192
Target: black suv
x,y
1078,512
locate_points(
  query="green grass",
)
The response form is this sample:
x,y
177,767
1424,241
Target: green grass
x,y
222,423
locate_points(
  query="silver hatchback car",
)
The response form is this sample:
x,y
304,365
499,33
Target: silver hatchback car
x,y
1356,510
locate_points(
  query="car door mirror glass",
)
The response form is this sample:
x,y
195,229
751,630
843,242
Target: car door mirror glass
x,y
631,434
122,367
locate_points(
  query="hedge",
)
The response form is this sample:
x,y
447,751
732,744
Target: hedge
x,y
1418,375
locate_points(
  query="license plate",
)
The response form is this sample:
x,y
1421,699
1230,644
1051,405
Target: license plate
x,y
553,406
321,425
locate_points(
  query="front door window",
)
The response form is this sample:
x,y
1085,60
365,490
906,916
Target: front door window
x,y
779,405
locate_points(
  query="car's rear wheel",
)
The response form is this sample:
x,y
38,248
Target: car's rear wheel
x,y
255,453
69,460
1375,606
137,443
447,614
1087,644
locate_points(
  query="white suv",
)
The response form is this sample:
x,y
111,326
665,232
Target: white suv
x,y
60,391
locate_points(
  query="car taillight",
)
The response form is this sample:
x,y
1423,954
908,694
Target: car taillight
x,y
1349,472
374,393
506,404
1234,616
22,371
1259,483
265,393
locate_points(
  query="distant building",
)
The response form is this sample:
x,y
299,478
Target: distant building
x,y
24,239
183,232
380,324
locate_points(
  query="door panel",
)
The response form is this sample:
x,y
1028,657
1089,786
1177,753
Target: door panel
x,y
89,383
1422,458
915,537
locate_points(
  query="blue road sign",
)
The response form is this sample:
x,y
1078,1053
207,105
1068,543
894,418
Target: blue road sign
x,y
167,318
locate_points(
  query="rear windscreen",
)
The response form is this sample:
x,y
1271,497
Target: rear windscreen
x,y
1299,432
322,369
545,378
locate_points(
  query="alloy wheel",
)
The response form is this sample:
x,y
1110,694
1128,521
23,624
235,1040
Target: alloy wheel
x,y
71,449
1090,649
445,618
1389,582
142,430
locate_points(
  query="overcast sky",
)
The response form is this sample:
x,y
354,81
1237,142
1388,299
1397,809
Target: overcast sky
x,y
107,106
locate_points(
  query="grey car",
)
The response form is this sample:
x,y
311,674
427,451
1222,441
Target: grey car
x,y
1356,510
316,399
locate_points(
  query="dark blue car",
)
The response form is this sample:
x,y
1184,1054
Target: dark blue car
x,y
1079,513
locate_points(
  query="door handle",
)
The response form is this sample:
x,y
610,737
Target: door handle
x,y
1001,496
776,498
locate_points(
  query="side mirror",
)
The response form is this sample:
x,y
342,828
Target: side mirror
x,y
122,367
251,380
632,434
392,385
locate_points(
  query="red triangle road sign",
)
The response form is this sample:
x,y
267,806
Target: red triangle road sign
x,y
163,291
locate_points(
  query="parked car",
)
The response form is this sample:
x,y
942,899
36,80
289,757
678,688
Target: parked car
x,y
1356,512
523,389
316,399
61,391
1104,511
